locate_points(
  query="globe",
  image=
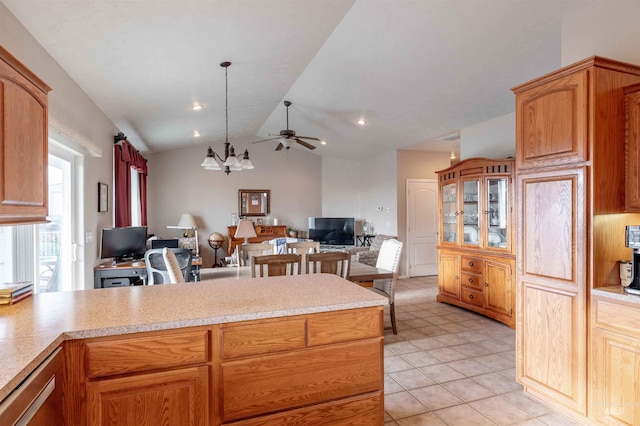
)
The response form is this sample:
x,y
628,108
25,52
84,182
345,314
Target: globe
x,y
215,240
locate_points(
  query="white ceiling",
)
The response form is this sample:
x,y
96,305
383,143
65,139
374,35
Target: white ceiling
x,y
414,69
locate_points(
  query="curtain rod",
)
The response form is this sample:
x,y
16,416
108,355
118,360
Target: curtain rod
x,y
119,137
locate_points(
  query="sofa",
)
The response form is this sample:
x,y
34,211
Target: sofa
x,y
368,255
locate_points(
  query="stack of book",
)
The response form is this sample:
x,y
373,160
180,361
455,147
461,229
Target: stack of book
x,y
11,293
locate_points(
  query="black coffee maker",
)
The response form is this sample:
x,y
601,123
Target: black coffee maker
x,y
632,234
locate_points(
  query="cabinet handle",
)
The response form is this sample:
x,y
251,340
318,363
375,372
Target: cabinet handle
x,y
471,296
470,280
487,212
457,277
486,284
470,263
457,213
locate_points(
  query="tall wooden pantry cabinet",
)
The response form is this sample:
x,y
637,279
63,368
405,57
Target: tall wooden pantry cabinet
x,y
570,162
476,264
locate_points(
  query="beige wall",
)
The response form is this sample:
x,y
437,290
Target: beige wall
x,y
177,184
74,110
414,165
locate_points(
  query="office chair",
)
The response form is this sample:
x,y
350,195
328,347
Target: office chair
x,y
157,271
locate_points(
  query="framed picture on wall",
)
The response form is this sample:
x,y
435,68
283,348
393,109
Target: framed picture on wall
x,y
103,197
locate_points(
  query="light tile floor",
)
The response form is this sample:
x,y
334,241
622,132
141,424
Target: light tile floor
x,y
450,366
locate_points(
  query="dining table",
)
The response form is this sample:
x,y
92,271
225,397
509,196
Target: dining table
x,y
359,273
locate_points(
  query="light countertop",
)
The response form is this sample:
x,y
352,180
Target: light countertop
x,y
31,329
616,292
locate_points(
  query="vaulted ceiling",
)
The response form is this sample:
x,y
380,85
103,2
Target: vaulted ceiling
x,y
415,70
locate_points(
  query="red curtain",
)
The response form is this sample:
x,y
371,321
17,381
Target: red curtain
x,y
126,157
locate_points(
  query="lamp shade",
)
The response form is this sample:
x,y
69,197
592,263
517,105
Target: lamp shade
x,y
187,222
245,229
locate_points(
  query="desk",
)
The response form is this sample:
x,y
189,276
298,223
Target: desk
x,y
125,274
359,273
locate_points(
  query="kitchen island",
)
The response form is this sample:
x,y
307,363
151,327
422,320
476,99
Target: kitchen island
x,y
304,347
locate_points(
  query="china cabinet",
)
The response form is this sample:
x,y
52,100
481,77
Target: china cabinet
x,y
570,188
476,234
23,143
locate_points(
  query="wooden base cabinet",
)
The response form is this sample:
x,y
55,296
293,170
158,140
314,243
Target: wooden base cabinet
x,y
317,369
616,346
479,283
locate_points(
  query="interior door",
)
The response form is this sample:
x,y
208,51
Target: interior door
x,y
422,231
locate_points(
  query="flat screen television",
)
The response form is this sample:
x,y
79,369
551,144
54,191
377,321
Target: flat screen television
x,y
124,244
339,231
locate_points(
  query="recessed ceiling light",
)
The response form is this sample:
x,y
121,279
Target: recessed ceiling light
x,y
323,142
196,134
362,122
197,107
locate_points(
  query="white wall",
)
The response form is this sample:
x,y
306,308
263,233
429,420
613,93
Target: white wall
x,y
494,138
177,184
378,192
603,28
77,113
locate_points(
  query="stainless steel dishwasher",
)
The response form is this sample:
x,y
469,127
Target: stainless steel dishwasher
x,y
38,399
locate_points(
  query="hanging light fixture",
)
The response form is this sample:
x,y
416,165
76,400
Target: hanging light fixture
x,y
230,161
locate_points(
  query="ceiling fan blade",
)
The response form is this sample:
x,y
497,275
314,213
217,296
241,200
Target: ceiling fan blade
x,y
308,137
264,140
305,144
279,147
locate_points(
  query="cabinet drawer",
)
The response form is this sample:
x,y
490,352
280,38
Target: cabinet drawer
x,y
263,337
135,354
334,327
471,264
472,297
272,383
616,316
471,280
361,410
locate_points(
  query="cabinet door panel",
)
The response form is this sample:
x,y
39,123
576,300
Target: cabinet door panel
x,y
23,142
448,275
632,151
177,397
551,122
498,294
552,217
616,394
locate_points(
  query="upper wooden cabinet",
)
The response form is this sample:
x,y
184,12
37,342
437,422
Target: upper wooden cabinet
x,y
23,143
551,122
632,148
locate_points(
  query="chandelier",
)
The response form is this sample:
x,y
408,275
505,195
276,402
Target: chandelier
x,y
230,161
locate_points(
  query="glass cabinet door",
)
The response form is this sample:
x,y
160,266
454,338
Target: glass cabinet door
x,y
449,213
471,215
496,223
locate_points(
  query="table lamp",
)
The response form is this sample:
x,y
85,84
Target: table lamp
x,y
245,230
186,222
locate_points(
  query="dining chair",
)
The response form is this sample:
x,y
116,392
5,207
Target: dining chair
x,y
275,265
336,262
247,251
389,259
303,247
157,270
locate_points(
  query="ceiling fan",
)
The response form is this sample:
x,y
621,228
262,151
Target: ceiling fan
x,y
288,136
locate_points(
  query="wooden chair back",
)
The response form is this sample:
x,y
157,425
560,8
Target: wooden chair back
x,y
247,251
336,262
275,265
303,247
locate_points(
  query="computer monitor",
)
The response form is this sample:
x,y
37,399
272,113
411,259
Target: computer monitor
x,y
124,244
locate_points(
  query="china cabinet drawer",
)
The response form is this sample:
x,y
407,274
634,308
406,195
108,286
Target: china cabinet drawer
x,y
472,297
471,280
471,264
